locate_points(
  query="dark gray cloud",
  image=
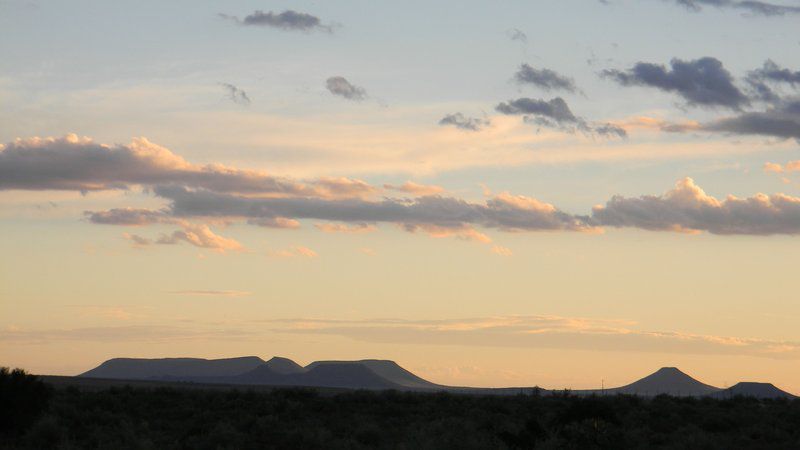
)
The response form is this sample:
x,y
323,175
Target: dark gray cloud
x,y
504,211
750,6
343,88
701,82
770,71
235,94
688,208
780,121
459,120
610,130
546,79
555,109
80,164
517,35
287,20
770,74
126,216
555,113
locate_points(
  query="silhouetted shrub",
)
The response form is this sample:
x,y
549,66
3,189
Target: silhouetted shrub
x,y
23,398
178,418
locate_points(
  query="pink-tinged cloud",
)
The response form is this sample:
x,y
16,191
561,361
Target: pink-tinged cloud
x,y
211,293
200,236
411,188
791,166
80,164
688,208
539,331
357,228
294,252
502,251
466,233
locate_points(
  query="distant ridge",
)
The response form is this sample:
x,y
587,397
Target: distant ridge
x,y
378,374
753,389
142,369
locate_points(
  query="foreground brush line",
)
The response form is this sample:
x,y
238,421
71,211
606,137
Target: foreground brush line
x,y
193,418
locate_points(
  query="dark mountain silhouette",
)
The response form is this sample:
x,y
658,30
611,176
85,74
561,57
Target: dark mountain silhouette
x,y
284,365
343,374
379,374
753,389
140,368
667,380
388,370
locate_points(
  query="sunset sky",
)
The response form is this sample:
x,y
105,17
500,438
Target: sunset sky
x,y
554,192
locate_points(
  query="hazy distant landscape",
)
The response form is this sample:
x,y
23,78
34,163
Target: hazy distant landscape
x,y
374,374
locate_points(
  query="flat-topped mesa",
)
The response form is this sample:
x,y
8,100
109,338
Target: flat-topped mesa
x,y
755,390
162,368
388,370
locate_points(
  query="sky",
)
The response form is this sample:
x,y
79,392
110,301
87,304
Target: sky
x,y
555,193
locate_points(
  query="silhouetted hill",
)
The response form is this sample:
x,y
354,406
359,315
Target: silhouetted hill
x,y
140,368
284,365
667,380
352,375
753,389
388,370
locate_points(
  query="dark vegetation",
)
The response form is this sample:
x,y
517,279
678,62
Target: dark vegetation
x,y
36,416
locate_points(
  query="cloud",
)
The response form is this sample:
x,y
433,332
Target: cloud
x,y
538,331
294,252
125,216
201,236
555,109
517,35
610,130
555,113
762,80
773,72
546,79
211,293
459,120
409,187
791,166
196,196
463,232
345,228
502,251
286,20
751,6
275,222
138,241
79,164
688,208
341,87
780,121
132,333
235,94
512,213
701,82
